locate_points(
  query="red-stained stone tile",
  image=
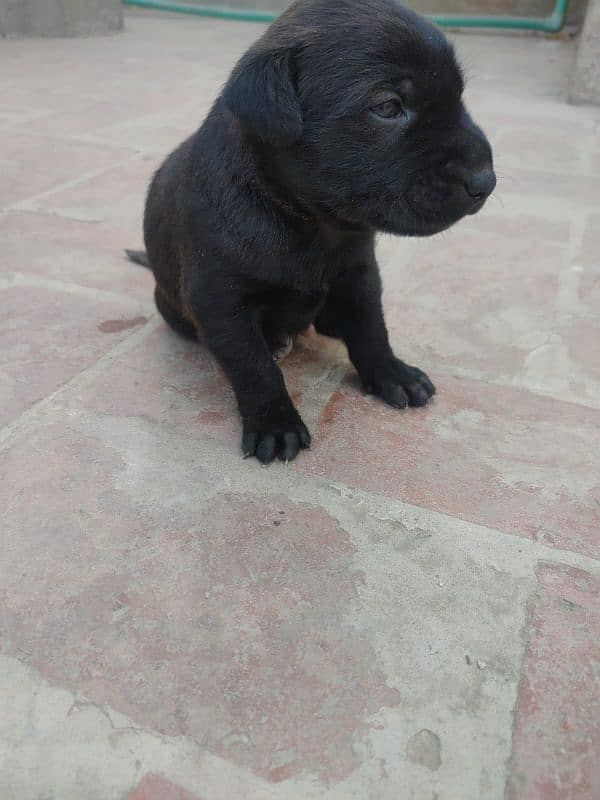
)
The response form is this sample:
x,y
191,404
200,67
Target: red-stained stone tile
x,y
153,787
88,254
117,194
556,745
497,456
178,383
48,337
481,296
230,621
170,381
485,301
32,164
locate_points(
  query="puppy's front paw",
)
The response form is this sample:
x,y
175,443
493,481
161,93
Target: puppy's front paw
x,y
277,432
399,384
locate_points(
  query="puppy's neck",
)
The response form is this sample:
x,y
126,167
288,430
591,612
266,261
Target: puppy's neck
x,y
277,185
276,189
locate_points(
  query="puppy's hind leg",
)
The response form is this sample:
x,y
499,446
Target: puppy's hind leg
x,y
172,316
280,344
327,323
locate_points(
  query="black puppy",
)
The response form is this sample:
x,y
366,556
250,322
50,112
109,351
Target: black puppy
x,y
345,118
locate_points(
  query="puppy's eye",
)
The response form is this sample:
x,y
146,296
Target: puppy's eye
x,y
388,110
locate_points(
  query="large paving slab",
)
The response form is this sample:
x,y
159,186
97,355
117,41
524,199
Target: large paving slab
x,y
336,640
113,194
32,164
178,384
49,335
528,316
410,611
559,693
69,251
493,455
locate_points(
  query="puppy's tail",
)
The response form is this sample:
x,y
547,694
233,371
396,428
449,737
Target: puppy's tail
x,y
138,257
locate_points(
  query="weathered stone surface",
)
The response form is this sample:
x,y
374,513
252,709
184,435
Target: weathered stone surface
x,y
178,623
59,17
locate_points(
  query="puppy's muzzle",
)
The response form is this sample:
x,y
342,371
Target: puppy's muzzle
x,y
477,183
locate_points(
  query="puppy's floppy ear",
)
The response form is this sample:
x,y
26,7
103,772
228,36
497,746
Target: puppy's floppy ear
x,y
262,95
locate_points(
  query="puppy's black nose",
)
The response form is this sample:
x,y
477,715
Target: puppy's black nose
x,y
480,185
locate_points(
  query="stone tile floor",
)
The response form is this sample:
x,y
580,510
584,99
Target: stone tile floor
x,y
411,610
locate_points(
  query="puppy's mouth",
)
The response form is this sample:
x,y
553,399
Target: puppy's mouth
x,y
415,219
477,206
433,213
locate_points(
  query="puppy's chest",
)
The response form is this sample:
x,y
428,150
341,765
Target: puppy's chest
x,y
315,265
304,276
288,299
291,300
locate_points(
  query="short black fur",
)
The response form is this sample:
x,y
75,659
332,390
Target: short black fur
x,y
346,118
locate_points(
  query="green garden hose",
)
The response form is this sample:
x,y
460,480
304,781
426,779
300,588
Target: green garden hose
x,y
551,24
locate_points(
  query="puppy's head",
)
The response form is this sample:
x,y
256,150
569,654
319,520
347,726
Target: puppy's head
x,y
358,106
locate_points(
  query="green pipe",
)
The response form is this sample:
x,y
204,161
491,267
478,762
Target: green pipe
x,y
551,24
203,11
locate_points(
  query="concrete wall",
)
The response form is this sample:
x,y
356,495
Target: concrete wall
x,y
59,17
585,86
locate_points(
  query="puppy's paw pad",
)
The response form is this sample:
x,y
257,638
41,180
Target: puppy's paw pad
x,y
418,394
275,440
393,394
399,384
421,389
